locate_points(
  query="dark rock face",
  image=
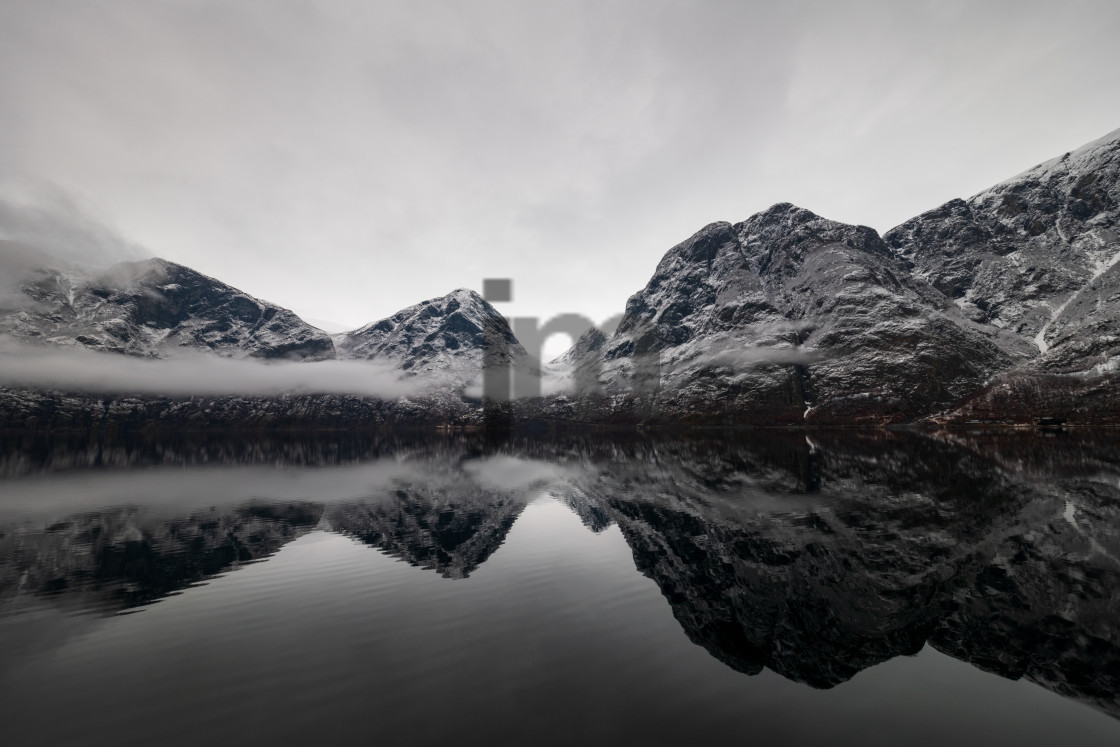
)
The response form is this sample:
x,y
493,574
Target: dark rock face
x,y
152,307
1036,256
788,317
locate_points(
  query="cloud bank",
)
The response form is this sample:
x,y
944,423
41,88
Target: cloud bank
x,y
77,370
44,227
44,220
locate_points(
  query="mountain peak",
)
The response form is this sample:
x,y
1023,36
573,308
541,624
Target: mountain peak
x,y
786,210
150,306
1088,156
438,334
1036,255
466,294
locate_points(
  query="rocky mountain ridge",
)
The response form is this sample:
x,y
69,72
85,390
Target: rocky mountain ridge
x,y
790,317
447,339
1005,306
1036,255
1002,306
151,308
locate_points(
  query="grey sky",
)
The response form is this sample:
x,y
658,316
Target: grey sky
x,y
346,159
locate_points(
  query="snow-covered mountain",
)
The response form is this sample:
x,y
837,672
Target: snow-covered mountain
x,y
151,308
790,317
1037,255
1006,305
154,308
440,345
444,339
445,342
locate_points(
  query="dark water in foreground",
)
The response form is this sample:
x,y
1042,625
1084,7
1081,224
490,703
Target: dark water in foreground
x,y
776,588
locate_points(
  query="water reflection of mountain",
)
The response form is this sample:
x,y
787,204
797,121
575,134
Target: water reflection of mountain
x,y
122,557
815,555
452,529
37,453
887,544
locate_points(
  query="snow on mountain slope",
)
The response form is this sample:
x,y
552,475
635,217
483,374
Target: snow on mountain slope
x,y
972,310
1036,255
444,339
150,308
791,317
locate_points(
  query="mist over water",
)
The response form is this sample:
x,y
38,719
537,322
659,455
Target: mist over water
x,y
196,373
842,588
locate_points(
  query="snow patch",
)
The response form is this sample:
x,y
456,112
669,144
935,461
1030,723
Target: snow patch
x,y
1111,366
1100,268
1103,266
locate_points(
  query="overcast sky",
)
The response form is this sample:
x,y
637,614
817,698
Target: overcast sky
x,y
347,159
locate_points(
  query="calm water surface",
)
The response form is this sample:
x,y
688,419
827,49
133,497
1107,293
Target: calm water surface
x,y
777,588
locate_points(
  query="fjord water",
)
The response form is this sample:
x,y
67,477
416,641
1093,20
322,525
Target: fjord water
x,y
773,587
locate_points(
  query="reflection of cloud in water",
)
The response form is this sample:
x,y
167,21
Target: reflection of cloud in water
x,y
505,472
172,490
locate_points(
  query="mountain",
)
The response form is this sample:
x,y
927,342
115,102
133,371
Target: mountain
x,y
151,308
445,339
1005,306
1037,255
788,317
154,308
